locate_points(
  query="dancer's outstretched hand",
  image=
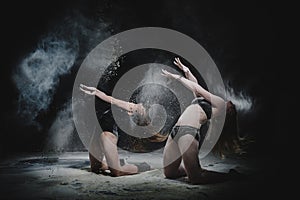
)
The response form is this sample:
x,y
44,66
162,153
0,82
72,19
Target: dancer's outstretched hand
x,y
166,73
88,90
181,66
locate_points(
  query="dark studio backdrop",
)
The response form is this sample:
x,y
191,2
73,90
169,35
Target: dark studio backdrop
x,y
238,35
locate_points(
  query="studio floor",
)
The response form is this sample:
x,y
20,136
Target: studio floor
x,y
68,176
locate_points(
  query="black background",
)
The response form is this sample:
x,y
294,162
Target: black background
x,y
240,36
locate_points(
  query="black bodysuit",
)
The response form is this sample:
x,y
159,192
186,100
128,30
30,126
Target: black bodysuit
x,y
107,122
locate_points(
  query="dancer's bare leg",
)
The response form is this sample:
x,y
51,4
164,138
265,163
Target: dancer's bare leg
x,y
172,160
188,146
96,155
109,143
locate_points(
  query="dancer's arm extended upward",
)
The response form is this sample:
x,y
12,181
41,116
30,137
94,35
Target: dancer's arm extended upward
x,y
217,102
188,74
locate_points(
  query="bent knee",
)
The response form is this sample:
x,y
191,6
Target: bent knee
x,y
108,135
170,174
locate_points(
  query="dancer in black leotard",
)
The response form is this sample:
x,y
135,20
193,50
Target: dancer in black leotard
x,y
109,137
191,128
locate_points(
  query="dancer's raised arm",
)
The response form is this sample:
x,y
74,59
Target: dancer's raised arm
x,y
188,74
217,102
129,107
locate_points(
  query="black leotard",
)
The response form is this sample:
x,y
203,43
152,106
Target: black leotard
x,y
205,105
107,122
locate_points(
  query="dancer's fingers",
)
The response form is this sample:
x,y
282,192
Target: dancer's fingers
x,y
177,59
86,91
93,92
87,87
176,63
83,86
91,88
82,90
165,72
180,63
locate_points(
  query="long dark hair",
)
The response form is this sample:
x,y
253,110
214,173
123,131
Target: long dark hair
x,y
158,137
230,141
